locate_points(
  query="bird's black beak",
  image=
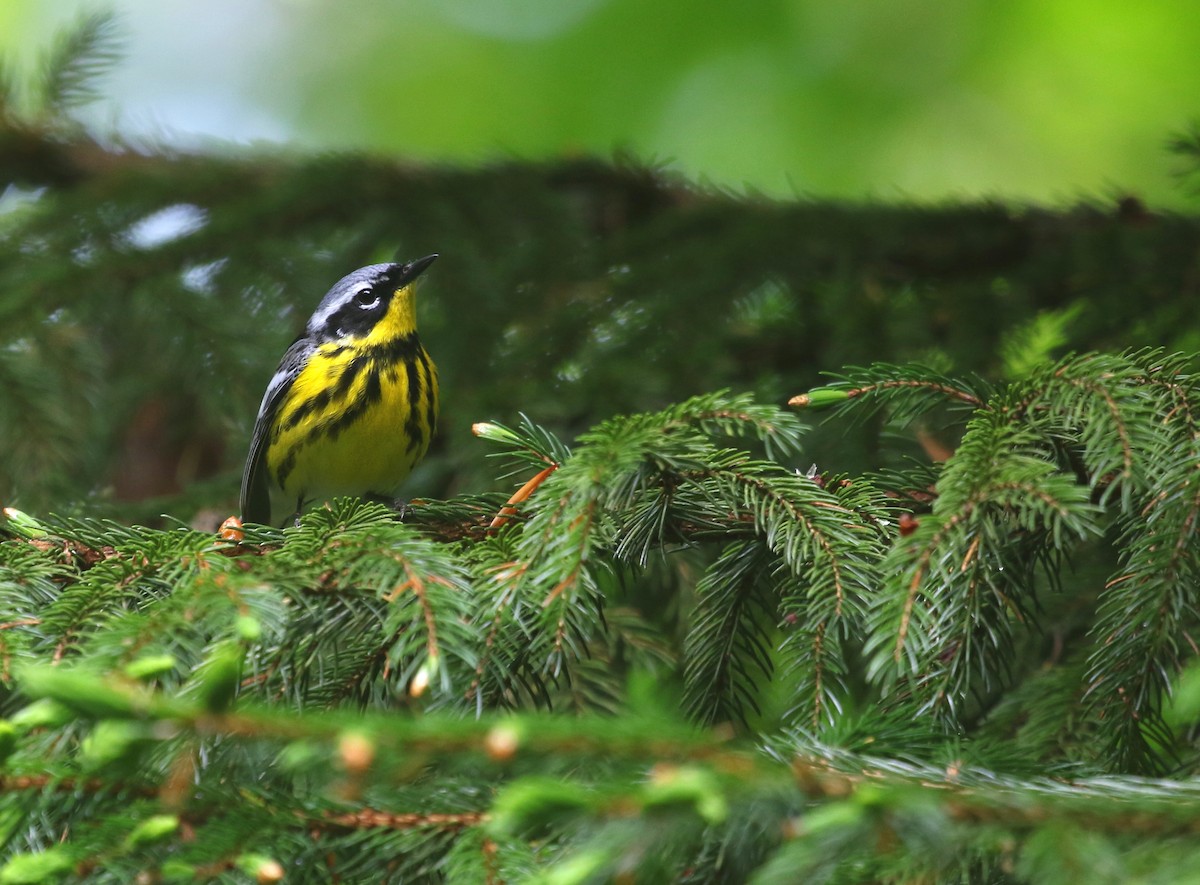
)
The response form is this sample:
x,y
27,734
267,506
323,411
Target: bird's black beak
x,y
412,270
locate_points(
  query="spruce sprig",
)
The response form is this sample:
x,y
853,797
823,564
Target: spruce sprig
x,y
850,640
957,589
82,55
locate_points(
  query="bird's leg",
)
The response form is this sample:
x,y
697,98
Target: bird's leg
x,y
295,517
397,504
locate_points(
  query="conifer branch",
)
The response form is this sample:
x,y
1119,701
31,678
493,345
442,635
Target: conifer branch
x,y
285,658
354,695
998,495
907,391
366,819
1147,612
81,57
727,652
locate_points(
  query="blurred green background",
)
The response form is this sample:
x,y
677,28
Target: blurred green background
x,y
1031,100
797,187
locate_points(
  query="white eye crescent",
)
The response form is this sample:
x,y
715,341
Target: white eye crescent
x,y
366,298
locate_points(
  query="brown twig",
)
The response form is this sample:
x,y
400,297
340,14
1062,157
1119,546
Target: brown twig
x,y
509,510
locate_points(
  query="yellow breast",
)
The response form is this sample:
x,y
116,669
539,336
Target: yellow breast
x,y
355,421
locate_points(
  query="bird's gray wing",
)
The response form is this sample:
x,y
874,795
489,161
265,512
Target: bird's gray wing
x,y
255,501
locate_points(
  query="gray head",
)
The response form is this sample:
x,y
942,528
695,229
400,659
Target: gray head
x,y
373,300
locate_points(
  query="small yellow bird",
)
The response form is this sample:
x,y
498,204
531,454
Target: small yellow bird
x,y
354,402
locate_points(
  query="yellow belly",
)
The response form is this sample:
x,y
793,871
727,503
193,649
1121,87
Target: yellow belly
x,y
352,426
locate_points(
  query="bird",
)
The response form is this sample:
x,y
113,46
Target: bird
x,y
354,403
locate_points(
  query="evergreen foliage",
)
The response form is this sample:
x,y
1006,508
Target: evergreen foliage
x,y
892,675
146,294
83,55
959,648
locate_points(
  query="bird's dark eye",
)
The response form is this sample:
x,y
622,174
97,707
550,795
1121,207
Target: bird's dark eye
x,y
366,298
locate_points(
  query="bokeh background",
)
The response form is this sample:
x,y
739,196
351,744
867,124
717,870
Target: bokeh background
x,y
636,202
1030,100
